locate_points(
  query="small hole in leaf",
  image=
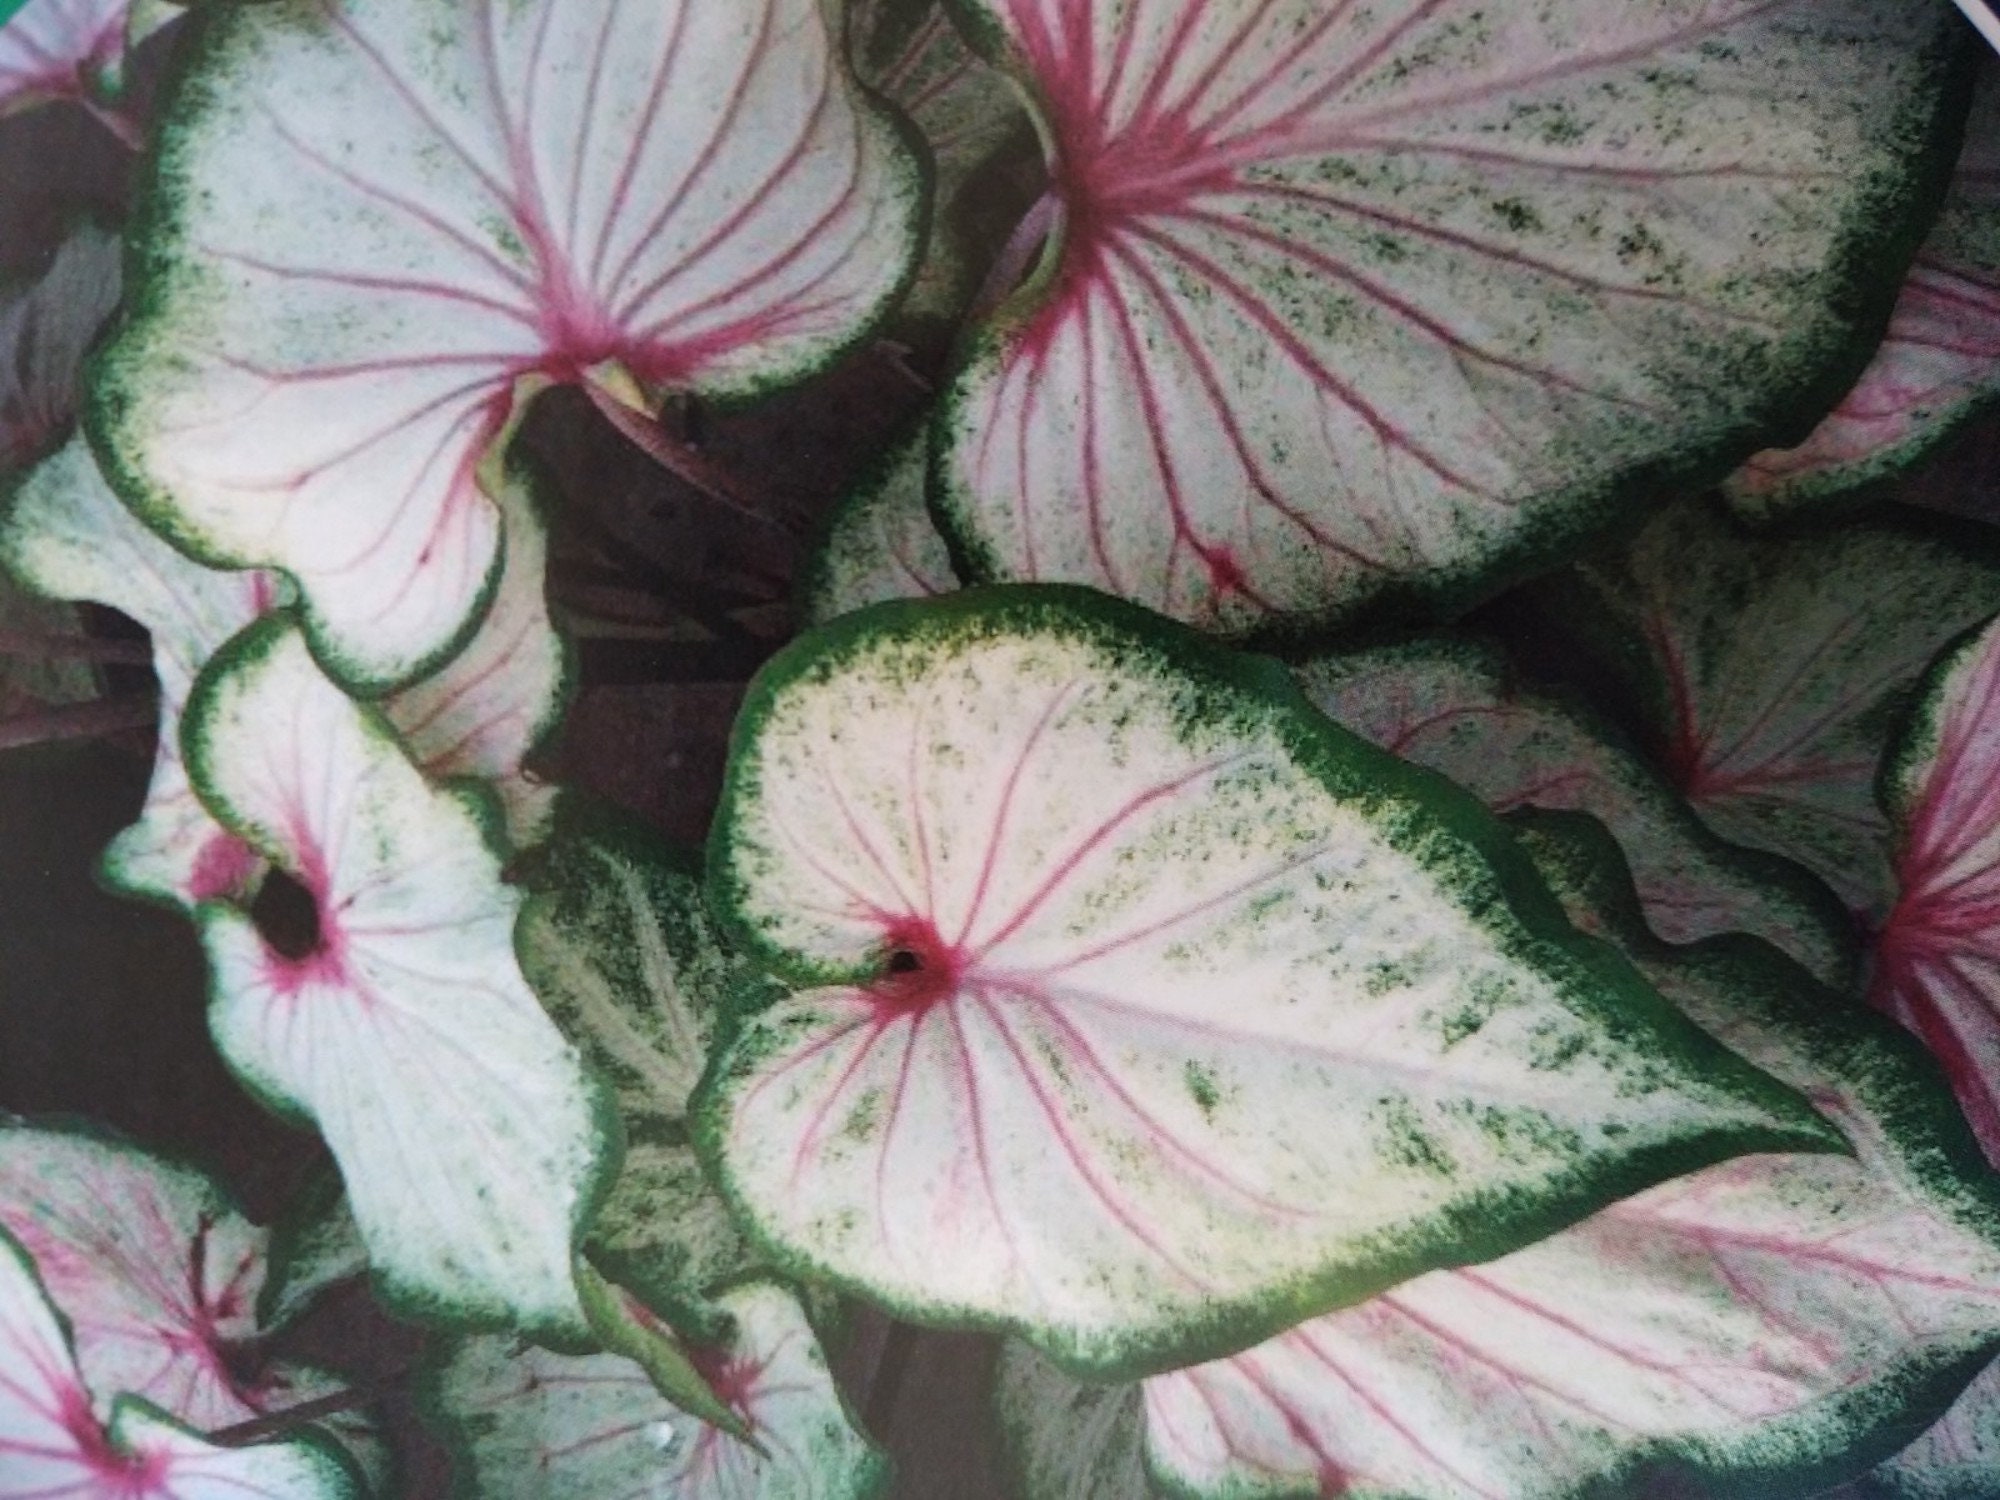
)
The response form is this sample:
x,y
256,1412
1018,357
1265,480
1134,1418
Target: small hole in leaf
x,y
287,916
903,961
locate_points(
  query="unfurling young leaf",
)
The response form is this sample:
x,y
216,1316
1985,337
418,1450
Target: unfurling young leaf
x,y
1937,960
470,1139
53,1445
879,543
526,1424
622,953
1455,707
1766,1326
1365,303
1770,670
375,226
1938,367
1111,954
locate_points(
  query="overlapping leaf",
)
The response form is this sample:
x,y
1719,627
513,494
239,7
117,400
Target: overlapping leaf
x,y
880,543
374,222
1455,707
46,328
620,950
480,715
1773,1323
971,118
527,1424
1113,955
1937,962
1771,669
1956,1459
52,1443
467,1133
1938,366
1350,302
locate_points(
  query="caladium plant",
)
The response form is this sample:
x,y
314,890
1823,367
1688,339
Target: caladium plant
x,y
1051,971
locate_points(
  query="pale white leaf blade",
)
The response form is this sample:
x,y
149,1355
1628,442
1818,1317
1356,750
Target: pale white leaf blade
x,y
467,1131
1111,954
363,242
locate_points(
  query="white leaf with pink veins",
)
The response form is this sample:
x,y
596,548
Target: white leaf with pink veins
x,y
377,219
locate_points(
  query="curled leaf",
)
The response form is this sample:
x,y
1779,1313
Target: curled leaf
x,y
1108,955
46,328
375,225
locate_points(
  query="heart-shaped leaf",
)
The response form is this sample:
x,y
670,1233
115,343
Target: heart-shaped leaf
x,y
1768,1325
66,536
373,223
52,1444
528,1424
880,543
1937,958
1457,708
46,328
1351,302
972,119
1113,955
1940,363
470,1140
1770,669
620,949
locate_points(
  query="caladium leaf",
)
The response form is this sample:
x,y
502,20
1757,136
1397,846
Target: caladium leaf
x,y
1937,958
1769,1325
52,1446
1456,707
66,536
1938,366
162,1279
1770,669
1540,232
972,119
1112,953
527,1424
373,224
46,328
624,956
880,543
470,1139
1063,1438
